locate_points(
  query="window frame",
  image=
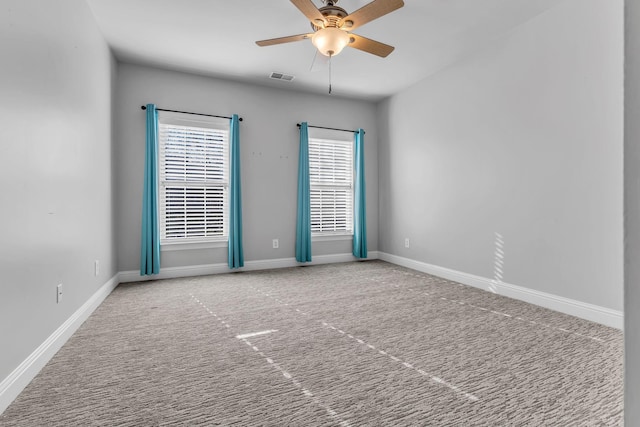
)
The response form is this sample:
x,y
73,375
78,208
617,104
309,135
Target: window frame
x,y
214,125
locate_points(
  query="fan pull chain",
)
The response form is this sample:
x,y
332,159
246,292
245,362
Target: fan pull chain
x,y
330,73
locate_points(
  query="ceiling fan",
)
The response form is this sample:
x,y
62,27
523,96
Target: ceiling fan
x,y
332,27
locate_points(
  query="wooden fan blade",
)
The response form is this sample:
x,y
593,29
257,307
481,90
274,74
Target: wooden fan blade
x,y
368,13
370,46
279,40
310,11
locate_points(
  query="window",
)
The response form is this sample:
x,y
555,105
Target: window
x,y
331,185
194,178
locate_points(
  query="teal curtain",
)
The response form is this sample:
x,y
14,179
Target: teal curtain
x,y
236,254
303,223
150,243
360,205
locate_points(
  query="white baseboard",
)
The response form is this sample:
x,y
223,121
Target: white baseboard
x,y
207,269
174,272
594,313
17,380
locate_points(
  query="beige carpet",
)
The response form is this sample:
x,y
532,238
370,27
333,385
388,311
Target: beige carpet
x,y
357,344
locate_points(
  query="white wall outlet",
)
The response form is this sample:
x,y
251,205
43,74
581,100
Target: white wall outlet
x,y
96,267
406,242
59,293
276,244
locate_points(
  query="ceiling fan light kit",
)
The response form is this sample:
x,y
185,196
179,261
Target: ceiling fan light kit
x,y
330,41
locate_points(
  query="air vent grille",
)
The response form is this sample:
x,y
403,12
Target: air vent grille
x,y
281,76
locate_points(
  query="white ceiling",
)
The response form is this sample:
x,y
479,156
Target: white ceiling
x,y
217,38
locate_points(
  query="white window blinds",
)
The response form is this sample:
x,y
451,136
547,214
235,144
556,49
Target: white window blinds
x,y
331,184
194,177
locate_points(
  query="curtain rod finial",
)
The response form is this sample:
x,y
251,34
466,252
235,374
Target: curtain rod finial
x,y
144,107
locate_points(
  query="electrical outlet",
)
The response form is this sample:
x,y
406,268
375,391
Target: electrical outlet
x,y
276,244
96,267
406,242
59,293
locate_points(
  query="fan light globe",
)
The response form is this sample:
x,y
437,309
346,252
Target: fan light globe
x,y
330,41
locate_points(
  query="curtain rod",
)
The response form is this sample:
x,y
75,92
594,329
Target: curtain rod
x,y
321,127
144,107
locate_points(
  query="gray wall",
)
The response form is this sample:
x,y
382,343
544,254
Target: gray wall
x,y
55,165
522,140
269,158
632,215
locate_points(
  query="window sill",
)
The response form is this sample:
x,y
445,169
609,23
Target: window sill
x,y
186,246
330,237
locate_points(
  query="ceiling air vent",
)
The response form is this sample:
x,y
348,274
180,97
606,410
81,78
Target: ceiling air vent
x,y
281,76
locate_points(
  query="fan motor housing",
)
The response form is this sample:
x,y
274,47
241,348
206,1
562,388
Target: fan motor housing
x,y
332,14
